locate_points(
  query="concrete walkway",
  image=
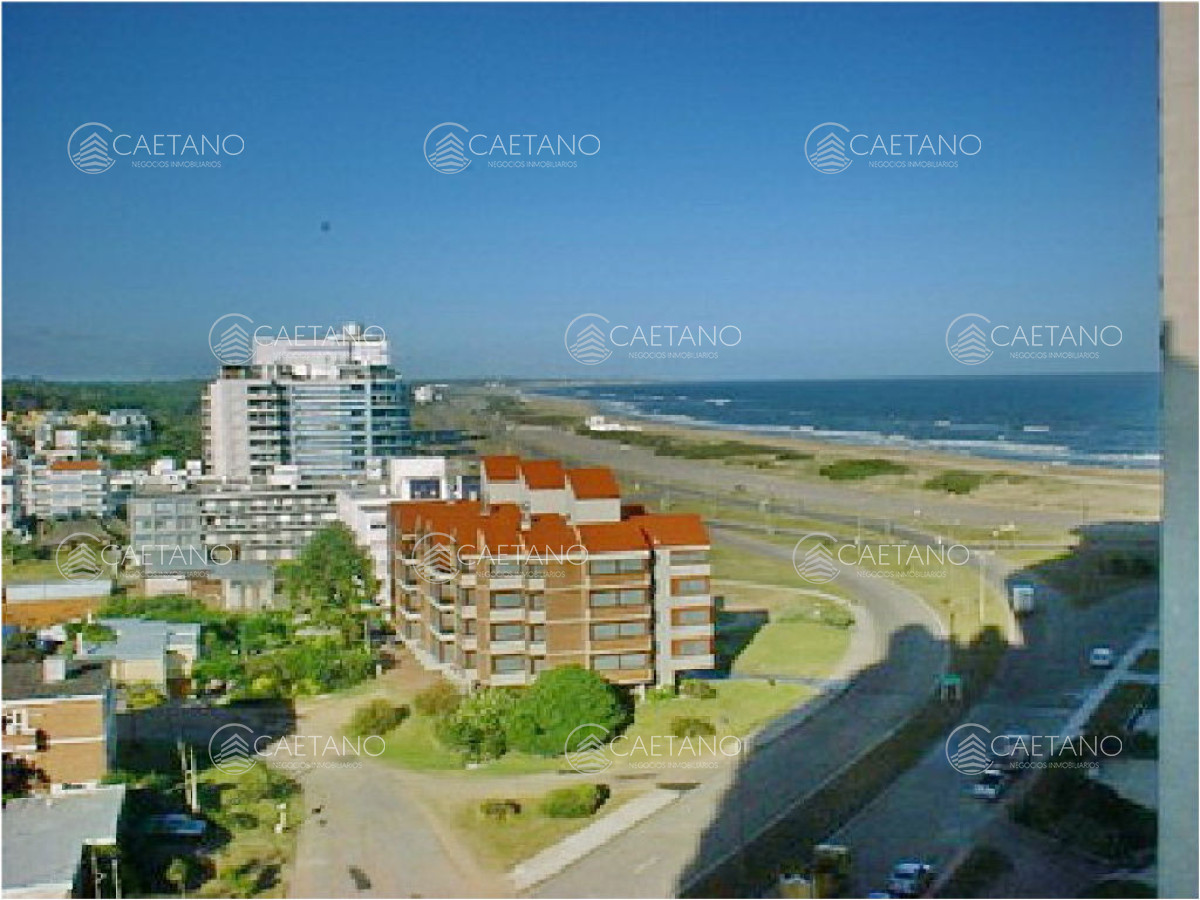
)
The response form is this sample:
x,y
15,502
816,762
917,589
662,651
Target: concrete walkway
x,y
554,859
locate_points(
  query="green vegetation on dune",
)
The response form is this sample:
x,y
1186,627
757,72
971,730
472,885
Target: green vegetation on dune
x,y
857,469
699,448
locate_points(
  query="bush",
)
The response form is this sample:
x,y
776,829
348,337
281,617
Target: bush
x,y
697,690
854,469
376,718
692,727
499,809
549,712
144,695
441,699
666,692
574,802
955,481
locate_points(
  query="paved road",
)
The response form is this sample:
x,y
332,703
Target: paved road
x,y
367,832
927,813
650,859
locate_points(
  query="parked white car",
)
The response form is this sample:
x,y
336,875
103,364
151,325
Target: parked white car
x,y
910,878
1101,657
991,785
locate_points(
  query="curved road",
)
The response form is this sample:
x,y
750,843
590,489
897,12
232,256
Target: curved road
x,y
650,859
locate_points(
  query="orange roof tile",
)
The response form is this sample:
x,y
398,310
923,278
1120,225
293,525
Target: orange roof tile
x,y
597,483
501,468
550,533
75,465
543,474
612,537
686,530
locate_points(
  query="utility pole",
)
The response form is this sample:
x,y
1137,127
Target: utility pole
x,y
194,796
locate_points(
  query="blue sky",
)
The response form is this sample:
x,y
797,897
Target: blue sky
x,y
700,207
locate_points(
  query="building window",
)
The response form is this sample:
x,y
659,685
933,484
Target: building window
x,y
608,631
15,722
504,569
618,598
701,616
621,661
468,627
508,600
469,659
616,566
690,586
692,648
689,557
508,632
537,634
502,665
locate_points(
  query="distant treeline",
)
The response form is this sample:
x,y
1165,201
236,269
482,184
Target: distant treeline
x,y
173,408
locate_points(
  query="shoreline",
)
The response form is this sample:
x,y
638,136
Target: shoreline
x,y
904,453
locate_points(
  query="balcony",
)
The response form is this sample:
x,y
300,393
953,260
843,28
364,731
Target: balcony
x,y
504,583
700,570
507,615
499,647
508,679
681,632
679,600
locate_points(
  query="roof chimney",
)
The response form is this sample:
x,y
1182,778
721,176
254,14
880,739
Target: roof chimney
x,y
54,669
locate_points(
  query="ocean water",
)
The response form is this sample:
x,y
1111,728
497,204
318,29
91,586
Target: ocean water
x,y
1096,419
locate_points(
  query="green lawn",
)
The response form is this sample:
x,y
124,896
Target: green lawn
x,y
735,564
503,844
414,745
739,708
33,571
793,648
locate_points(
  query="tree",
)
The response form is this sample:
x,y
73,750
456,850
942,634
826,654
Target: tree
x,y
561,700
332,574
480,725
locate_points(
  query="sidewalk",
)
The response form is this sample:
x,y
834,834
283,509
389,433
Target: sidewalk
x,y
554,859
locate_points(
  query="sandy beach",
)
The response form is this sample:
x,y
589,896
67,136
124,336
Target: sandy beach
x,y
1038,496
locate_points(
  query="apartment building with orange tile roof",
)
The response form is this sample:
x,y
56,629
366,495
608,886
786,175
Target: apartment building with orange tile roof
x,y
544,571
